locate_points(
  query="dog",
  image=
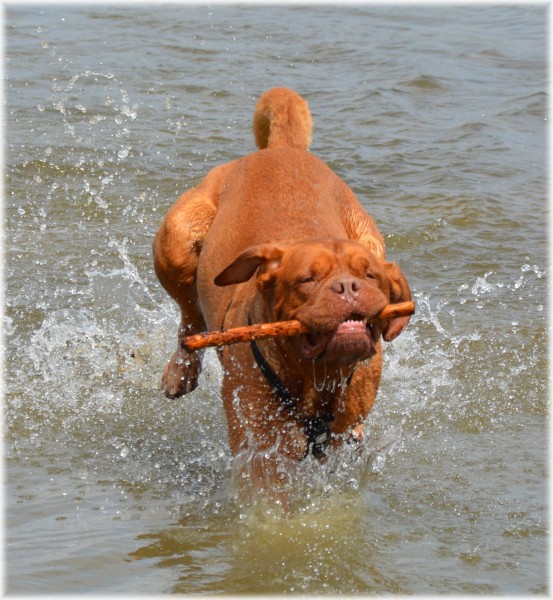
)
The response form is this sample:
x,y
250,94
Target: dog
x,y
273,236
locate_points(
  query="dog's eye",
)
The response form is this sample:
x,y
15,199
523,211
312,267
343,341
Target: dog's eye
x,y
306,279
369,275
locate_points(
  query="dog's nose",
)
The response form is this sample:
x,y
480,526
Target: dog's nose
x,y
346,286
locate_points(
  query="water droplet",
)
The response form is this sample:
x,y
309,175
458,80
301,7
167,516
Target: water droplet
x,y
59,106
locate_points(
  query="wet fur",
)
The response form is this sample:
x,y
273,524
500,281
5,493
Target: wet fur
x,y
241,245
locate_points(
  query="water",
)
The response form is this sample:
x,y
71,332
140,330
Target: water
x,y
437,117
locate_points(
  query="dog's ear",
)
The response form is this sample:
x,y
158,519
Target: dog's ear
x,y
267,257
399,292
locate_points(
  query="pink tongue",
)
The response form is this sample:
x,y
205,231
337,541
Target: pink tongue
x,y
349,327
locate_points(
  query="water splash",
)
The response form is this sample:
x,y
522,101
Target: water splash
x,y
430,314
89,98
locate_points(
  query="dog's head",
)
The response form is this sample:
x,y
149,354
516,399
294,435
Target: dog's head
x,y
332,287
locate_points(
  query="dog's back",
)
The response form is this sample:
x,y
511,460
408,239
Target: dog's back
x,y
281,193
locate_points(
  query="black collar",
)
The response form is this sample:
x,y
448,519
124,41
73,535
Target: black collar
x,y
317,429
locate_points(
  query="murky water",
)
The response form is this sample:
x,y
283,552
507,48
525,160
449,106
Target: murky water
x,y
437,118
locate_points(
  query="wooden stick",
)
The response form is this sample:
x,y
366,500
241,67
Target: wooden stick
x,y
278,329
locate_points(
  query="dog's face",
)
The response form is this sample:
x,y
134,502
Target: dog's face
x,y
332,287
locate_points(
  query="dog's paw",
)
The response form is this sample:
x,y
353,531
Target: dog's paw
x,y
181,373
358,434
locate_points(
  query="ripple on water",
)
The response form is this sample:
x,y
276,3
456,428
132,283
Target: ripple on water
x,y
111,486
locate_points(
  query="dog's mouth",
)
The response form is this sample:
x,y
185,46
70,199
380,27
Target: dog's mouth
x,y
354,339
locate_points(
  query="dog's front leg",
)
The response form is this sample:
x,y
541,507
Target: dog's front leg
x,y
266,474
266,441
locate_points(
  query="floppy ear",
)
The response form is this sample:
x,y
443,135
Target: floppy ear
x,y
243,267
399,292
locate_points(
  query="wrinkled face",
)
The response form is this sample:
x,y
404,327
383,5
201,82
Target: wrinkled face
x,y
334,288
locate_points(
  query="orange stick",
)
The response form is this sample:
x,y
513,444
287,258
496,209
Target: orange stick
x,y
278,329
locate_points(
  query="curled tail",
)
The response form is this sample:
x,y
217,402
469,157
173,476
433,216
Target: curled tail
x,y
282,118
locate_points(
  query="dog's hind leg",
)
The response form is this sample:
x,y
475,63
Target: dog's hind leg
x,y
359,226
177,248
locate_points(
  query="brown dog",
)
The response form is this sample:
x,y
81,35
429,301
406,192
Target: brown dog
x,y
273,236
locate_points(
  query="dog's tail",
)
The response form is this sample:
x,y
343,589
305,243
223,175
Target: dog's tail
x,y
282,118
